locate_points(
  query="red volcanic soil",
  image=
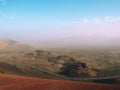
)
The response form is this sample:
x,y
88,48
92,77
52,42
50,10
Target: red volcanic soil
x,y
8,82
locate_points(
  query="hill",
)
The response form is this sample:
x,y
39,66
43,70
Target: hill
x,y
9,69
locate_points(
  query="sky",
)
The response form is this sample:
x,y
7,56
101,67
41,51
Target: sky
x,y
34,20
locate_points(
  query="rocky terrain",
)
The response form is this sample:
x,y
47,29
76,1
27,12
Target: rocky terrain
x,y
66,65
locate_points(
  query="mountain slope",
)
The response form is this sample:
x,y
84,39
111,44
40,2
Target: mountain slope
x,y
24,83
9,69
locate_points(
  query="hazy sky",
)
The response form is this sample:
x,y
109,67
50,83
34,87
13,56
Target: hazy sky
x,y
48,19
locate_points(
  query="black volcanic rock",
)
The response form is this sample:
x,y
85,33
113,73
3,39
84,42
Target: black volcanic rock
x,y
77,69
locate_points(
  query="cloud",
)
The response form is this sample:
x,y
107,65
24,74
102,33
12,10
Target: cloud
x,y
110,19
97,20
8,17
3,2
85,20
107,25
107,18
